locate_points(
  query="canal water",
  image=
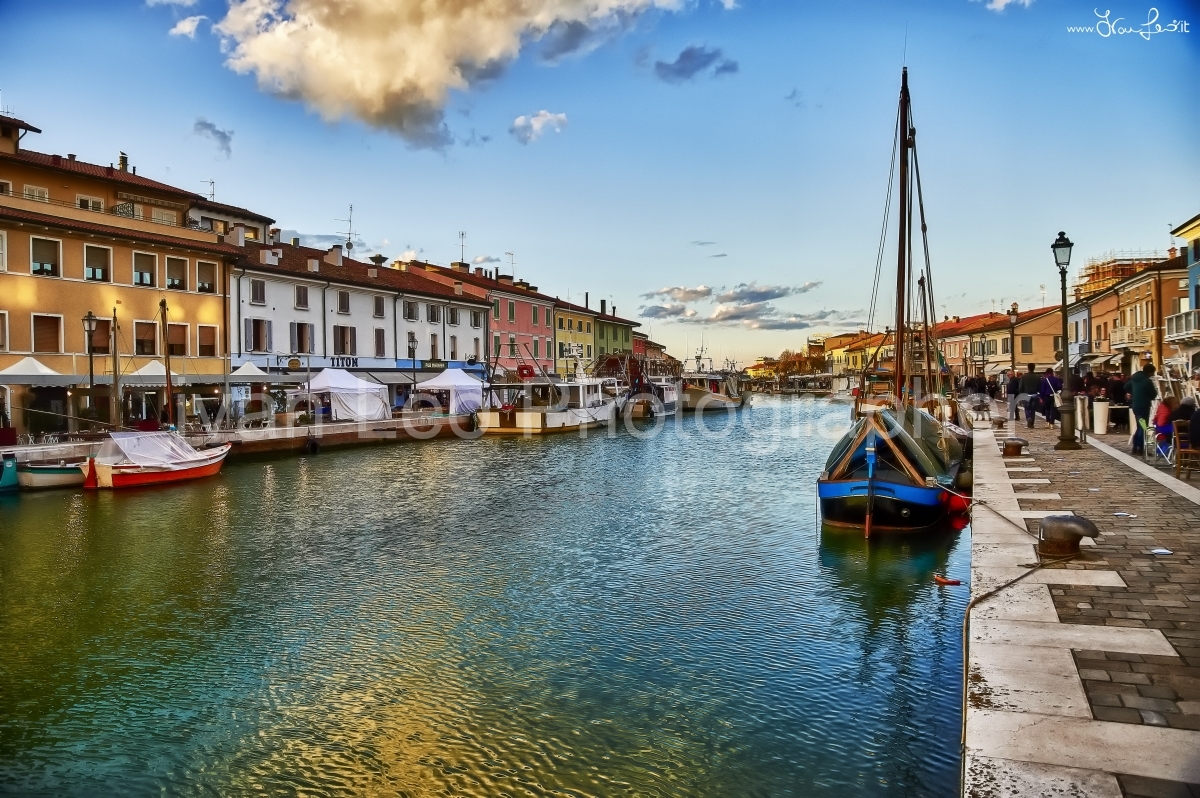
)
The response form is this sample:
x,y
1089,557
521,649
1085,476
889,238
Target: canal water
x,y
651,615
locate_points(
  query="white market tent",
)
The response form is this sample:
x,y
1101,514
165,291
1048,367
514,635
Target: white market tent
x,y
249,372
466,392
350,399
28,371
151,375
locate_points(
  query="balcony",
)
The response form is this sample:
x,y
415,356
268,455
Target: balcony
x,y
1183,326
1130,338
1080,348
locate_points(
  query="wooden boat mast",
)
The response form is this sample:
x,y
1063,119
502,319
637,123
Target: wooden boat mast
x,y
902,247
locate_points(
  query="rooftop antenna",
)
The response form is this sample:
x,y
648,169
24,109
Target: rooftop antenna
x,y
512,264
462,246
212,189
349,229
1042,288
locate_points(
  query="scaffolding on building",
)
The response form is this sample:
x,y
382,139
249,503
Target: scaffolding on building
x,y
1107,270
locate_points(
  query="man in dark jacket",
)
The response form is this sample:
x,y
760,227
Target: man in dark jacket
x,y
1012,389
1048,390
1029,390
1141,393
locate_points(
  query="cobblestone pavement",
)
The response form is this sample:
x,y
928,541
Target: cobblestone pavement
x,y
1135,515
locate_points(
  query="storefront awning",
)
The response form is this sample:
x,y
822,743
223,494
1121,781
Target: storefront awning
x,y
28,371
391,377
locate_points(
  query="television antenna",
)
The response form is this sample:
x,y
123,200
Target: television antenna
x,y
512,264
462,246
350,229
1042,288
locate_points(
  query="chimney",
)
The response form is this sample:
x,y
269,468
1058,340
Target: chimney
x,y
123,162
268,257
458,287
585,299
334,255
1171,252
70,156
295,242
314,265
522,284
56,159
459,266
236,236
614,310
479,271
135,170
505,279
429,267
603,309
400,265
275,235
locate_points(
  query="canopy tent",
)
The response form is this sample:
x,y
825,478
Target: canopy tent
x,y
249,373
350,399
28,371
151,375
466,392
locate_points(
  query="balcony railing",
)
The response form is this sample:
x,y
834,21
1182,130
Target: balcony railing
x,y
1183,326
1130,337
125,209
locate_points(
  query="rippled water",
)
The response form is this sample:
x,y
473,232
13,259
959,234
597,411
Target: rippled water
x,y
652,616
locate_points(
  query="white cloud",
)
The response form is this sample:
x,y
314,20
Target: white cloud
x,y
681,293
187,26
485,259
393,63
998,5
530,128
183,3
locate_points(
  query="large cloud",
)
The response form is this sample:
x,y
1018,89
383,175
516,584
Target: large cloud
x,y
693,61
393,63
752,292
672,310
530,128
681,293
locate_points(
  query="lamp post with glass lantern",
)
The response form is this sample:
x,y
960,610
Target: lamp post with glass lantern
x,y
89,327
1013,315
1066,436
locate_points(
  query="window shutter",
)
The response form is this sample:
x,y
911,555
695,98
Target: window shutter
x,y
270,346
248,341
312,341
292,328
353,342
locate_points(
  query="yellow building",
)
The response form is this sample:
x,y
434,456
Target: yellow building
x,y
79,238
574,336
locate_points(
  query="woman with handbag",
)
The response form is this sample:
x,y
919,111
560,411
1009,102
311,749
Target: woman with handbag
x,y
1049,392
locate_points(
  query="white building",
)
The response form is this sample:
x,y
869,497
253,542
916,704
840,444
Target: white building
x,y
299,309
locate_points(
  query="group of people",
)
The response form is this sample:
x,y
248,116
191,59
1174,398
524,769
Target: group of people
x,y
1041,392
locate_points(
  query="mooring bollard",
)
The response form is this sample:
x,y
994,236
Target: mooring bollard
x,y
998,423
1013,446
1059,535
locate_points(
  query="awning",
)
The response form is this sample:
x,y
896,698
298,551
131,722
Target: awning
x,y
28,371
391,377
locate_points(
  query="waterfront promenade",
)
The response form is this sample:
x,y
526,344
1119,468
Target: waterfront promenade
x,y
1084,678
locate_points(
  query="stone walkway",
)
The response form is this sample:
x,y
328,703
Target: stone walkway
x,y
1085,677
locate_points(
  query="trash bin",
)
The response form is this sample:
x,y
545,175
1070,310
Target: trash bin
x,y
1100,417
1081,414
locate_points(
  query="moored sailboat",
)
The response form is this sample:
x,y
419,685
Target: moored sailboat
x,y
138,459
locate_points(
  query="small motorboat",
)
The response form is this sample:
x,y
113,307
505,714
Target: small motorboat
x,y
8,472
136,459
61,474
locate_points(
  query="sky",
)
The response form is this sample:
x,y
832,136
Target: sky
x,y
717,169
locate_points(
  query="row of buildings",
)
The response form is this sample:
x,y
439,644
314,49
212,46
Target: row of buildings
x,y
1128,310
157,272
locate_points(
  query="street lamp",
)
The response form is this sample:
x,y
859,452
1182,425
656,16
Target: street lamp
x,y
1066,436
1013,316
89,326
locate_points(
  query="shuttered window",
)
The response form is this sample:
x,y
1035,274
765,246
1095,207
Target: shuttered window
x,y
144,267
177,339
380,343
47,334
97,264
102,338
303,338
258,292
343,301
206,278
177,274
145,338
454,347
433,347
44,257
302,297
207,341
345,341
379,307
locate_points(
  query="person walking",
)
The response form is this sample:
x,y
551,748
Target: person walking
x,y
1048,390
1011,389
1029,389
1141,394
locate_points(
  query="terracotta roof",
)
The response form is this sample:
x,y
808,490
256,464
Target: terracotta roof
x,y
232,210
116,232
480,281
611,318
94,170
353,272
14,122
558,303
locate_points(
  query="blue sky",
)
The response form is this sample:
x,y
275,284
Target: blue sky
x,y
763,127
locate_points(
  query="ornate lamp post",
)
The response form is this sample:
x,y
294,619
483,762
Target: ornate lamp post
x,y
1013,316
1066,437
89,327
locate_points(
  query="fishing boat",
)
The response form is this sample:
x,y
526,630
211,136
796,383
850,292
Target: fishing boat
x,y
60,474
138,459
896,469
705,389
540,406
8,472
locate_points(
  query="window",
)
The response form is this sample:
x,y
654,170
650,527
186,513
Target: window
x,y
251,233
991,346
433,346
89,203
37,194
454,347
345,341
379,310
3,251
476,349
549,347
1026,344
412,345
534,313
1004,347
589,326
4,330
302,297
512,346
207,339
164,216
177,270
102,338
535,344
97,263
218,226
380,343
411,312
303,338
495,308
476,319
433,314
145,338
206,278
258,292
343,302
589,350
47,333
452,316
626,335
512,310
177,339
1098,336
562,348
496,346
5,187
144,267
560,322
258,335
43,257
1058,343
579,325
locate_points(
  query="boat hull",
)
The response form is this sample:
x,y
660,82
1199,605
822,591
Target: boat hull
x,y
533,422
104,476
8,473
37,477
897,508
698,400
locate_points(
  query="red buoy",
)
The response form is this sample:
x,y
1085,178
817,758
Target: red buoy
x,y
945,580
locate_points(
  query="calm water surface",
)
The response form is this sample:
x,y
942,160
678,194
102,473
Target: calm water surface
x,y
616,616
